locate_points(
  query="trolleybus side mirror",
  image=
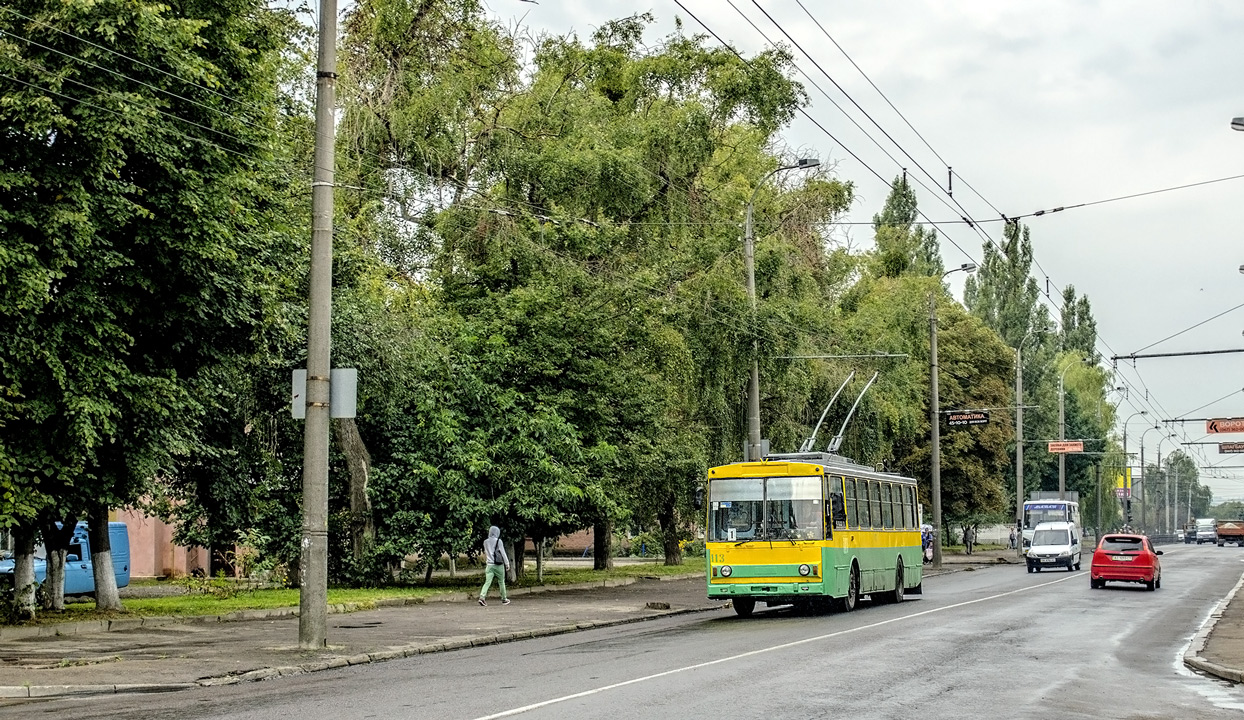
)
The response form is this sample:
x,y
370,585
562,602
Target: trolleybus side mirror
x,y
699,498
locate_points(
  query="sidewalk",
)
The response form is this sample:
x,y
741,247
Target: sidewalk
x,y
164,655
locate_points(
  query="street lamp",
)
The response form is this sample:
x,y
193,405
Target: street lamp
x,y
749,262
1062,432
935,429
1166,501
1144,495
1126,457
1019,436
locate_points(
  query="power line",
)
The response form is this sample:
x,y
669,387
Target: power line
x,y
1181,332
1051,211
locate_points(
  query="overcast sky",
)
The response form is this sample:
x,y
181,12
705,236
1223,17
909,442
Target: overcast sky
x,y
1036,106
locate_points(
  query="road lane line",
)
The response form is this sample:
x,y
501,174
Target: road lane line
x,y
750,653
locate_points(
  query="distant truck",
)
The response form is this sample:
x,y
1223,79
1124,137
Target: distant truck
x,y
1206,530
1231,531
79,570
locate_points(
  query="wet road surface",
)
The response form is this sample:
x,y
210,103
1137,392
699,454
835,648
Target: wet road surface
x,y
997,642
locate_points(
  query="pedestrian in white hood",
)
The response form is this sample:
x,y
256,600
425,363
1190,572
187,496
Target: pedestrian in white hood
x,y
498,565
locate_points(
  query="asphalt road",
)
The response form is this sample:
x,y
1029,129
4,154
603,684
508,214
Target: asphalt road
x,y
997,642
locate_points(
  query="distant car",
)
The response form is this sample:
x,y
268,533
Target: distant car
x,y
1054,544
1125,558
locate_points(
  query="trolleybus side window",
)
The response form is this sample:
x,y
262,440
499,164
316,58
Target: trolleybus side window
x,y
861,488
910,503
874,494
837,510
853,517
887,507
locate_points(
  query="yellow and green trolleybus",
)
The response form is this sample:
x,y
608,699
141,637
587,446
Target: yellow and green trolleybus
x,y
811,529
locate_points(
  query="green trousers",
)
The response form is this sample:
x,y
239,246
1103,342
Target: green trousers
x,y
490,572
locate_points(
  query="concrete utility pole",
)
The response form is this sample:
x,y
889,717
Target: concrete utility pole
x,y
935,431
313,563
754,453
935,420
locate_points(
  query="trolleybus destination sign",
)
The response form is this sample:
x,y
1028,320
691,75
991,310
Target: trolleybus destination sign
x,y
1066,446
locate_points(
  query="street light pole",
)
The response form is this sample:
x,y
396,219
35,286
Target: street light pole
x,y
749,263
1019,440
1166,495
1062,432
1127,458
1145,479
935,422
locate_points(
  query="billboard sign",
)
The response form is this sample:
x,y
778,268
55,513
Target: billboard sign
x,y
1066,446
1224,425
967,417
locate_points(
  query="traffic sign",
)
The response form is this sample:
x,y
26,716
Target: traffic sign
x,y
1231,447
972,417
1121,492
1066,446
1224,425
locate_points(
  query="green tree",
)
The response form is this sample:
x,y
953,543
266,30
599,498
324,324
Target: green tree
x,y
137,225
903,246
1079,329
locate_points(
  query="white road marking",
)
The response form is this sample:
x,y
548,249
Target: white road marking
x,y
750,653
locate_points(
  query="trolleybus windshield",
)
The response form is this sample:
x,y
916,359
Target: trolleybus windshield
x,y
775,508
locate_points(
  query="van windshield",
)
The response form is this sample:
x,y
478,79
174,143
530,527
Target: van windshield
x,y
1051,537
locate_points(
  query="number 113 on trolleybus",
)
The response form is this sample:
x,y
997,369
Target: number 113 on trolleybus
x,y
810,529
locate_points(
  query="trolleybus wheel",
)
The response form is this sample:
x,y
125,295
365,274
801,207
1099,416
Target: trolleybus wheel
x,y
847,604
744,606
899,590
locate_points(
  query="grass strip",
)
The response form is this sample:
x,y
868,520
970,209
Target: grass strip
x,y
467,581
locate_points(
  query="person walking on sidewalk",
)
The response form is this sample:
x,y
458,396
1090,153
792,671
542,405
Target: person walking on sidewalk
x,y
498,565
969,537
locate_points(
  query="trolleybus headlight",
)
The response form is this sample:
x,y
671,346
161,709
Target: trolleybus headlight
x,y
804,570
726,571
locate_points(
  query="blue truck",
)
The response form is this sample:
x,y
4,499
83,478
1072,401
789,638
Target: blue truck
x,y
79,572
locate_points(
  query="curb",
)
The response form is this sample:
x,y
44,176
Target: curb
x,y
1192,656
24,632
44,691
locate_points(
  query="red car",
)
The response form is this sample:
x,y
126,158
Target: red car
x,y
1126,558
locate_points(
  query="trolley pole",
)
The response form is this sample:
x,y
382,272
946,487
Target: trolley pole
x,y
313,562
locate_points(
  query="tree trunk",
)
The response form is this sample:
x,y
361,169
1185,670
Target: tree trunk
x,y
358,462
519,547
106,595
539,543
56,540
667,518
427,576
24,570
453,566
602,542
